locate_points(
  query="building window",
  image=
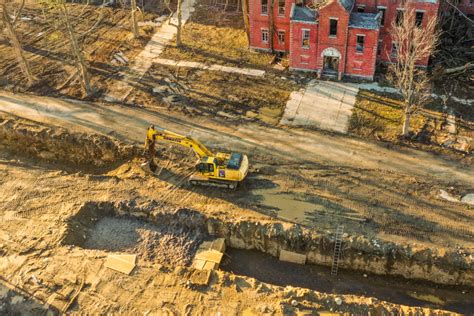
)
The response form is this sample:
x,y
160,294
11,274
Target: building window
x,y
419,18
379,47
399,18
264,7
281,37
264,36
281,7
393,52
360,43
382,15
361,8
305,39
333,27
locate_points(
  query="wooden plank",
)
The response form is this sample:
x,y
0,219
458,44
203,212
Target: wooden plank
x,y
121,263
210,255
293,257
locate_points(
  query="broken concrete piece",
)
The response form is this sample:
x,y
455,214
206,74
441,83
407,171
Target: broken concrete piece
x,y
216,244
201,277
468,199
293,257
446,196
121,263
210,255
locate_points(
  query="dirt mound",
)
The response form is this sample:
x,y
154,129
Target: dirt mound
x,y
54,144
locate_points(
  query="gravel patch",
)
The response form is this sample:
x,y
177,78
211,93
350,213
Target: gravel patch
x,y
166,244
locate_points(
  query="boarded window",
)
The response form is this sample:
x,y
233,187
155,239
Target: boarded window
x,y
382,15
281,37
305,39
281,7
360,43
264,36
399,18
394,52
419,18
332,27
264,7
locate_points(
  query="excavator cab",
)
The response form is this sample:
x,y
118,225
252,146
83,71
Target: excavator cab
x,y
207,166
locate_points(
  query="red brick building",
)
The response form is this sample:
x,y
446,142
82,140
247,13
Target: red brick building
x,y
342,38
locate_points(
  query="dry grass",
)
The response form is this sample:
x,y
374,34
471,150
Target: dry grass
x,y
215,37
380,117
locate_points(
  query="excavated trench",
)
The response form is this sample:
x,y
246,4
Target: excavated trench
x,y
172,238
102,226
396,290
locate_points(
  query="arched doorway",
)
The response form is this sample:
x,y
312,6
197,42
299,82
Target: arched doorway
x,y
331,58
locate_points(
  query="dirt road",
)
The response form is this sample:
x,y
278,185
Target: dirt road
x,y
129,124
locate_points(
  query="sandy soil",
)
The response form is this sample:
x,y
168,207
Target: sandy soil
x,y
42,198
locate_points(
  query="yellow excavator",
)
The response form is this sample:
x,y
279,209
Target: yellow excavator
x,y
219,170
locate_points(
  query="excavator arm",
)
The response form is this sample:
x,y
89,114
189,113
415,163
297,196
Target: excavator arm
x,y
157,133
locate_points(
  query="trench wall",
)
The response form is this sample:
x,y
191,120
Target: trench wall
x,y
35,140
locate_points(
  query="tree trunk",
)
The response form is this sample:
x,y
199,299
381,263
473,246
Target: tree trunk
x,y
271,20
245,14
406,123
24,65
80,62
178,34
135,31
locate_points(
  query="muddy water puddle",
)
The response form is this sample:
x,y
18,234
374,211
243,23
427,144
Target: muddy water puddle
x,y
268,269
301,209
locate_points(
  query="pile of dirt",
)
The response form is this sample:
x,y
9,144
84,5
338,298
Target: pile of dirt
x,y
53,144
171,245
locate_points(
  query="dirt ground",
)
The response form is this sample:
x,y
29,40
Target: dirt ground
x,y
50,55
46,225
210,93
213,36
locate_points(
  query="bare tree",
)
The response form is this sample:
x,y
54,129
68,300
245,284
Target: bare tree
x,y
245,14
413,43
271,22
76,50
180,22
15,42
59,15
135,31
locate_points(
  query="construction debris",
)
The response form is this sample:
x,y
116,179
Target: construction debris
x,y
121,263
293,257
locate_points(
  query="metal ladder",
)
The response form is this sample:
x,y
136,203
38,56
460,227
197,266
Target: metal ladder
x,y
337,249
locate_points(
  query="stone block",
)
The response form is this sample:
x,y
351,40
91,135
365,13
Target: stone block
x,y
293,257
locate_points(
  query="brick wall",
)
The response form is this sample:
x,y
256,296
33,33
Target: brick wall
x,y
362,64
303,57
259,21
430,11
339,42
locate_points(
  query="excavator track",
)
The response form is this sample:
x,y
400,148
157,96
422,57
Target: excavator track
x,y
213,183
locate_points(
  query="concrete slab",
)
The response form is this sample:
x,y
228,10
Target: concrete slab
x,y
293,257
322,104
